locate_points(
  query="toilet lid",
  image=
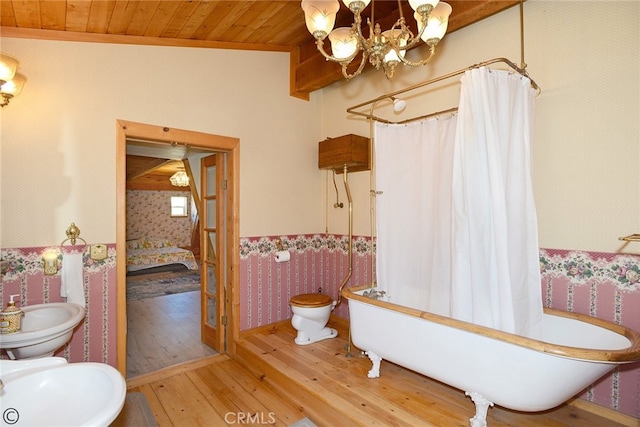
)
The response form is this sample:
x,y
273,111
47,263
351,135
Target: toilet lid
x,y
311,300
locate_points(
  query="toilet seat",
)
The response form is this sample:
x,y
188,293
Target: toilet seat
x,y
311,300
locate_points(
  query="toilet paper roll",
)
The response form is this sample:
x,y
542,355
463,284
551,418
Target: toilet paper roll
x,y
282,256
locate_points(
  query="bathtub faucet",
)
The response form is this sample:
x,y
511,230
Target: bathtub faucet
x,y
374,294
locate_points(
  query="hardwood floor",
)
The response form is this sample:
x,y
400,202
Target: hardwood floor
x,y
163,331
273,381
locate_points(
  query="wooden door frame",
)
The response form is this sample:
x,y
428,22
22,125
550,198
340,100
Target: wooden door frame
x,y
230,146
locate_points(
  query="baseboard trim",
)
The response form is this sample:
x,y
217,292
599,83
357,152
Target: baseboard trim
x,y
604,412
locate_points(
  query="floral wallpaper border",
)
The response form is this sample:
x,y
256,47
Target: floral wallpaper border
x,y
267,246
579,267
28,261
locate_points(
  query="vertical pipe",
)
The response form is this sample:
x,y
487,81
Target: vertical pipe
x,y
349,243
523,65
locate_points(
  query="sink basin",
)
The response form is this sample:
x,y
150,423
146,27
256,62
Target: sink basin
x,y
51,392
45,328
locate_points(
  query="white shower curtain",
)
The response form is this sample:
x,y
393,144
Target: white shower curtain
x,y
456,221
413,171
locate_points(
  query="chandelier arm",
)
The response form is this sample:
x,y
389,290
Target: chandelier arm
x,y
363,61
6,98
432,51
412,41
363,42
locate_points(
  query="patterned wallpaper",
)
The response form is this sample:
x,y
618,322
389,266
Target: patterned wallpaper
x,y
606,286
317,261
149,215
94,339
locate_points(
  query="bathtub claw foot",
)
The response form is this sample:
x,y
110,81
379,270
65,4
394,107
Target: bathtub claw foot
x,y
375,359
482,406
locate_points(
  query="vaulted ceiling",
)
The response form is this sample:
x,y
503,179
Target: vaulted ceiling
x,y
247,25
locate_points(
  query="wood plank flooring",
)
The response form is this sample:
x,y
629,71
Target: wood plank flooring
x,y
272,381
163,331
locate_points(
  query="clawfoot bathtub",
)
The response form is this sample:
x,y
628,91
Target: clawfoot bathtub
x,y
491,366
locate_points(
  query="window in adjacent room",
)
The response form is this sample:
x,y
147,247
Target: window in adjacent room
x,y
179,206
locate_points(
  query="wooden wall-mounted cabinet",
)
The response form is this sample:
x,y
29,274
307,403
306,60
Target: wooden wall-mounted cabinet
x,y
351,150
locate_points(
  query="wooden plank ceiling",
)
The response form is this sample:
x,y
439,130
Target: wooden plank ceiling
x,y
151,173
248,25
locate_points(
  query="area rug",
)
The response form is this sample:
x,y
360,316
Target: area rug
x,y
160,284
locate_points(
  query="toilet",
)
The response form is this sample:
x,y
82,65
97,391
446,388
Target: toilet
x,y
310,316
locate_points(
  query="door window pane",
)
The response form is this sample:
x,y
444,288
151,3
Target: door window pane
x,y
211,181
211,214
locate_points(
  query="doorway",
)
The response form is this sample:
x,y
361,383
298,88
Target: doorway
x,y
228,149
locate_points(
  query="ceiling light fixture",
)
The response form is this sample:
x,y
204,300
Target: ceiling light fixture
x,y
180,179
383,49
10,83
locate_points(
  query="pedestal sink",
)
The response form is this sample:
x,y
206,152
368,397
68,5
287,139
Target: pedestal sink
x,y
51,392
45,328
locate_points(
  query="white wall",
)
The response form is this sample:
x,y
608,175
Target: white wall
x,y
587,132
57,159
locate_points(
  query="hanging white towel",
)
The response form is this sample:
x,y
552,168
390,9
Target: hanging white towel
x,y
72,286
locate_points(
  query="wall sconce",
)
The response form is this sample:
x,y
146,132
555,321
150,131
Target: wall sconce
x,y
11,83
50,259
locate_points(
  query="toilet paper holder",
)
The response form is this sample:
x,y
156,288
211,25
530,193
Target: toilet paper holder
x,y
280,246
282,252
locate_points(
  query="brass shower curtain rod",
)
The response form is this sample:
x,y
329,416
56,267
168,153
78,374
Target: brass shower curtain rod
x,y
373,102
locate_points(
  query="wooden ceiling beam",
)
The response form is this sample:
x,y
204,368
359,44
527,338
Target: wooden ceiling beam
x,y
140,166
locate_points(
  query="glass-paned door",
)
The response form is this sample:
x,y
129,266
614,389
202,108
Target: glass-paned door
x,y
213,250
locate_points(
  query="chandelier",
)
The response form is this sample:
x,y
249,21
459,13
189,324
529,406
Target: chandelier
x,y
383,49
11,83
180,179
